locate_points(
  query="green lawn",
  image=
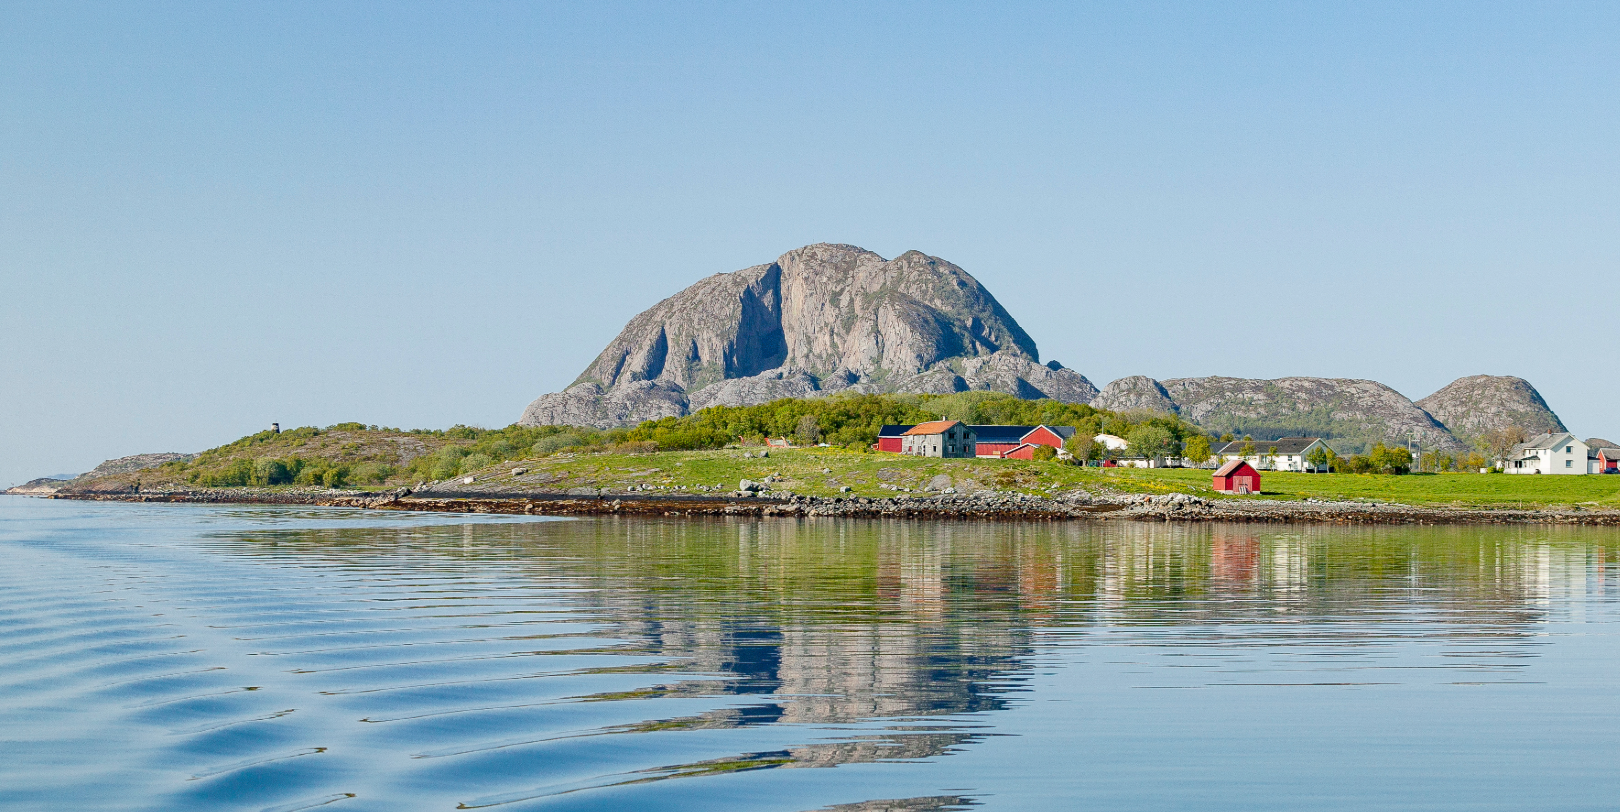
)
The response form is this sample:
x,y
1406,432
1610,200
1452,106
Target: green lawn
x,y
801,471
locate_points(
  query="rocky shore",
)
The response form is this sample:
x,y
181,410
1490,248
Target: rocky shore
x,y
1080,506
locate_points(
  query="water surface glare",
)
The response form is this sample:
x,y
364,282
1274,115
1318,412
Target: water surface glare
x,y
268,658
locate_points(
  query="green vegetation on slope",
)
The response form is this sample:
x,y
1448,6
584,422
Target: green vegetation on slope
x,y
349,455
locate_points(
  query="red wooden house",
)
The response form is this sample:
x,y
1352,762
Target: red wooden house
x,y
1237,476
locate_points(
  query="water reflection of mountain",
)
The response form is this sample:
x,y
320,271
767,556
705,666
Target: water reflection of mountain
x,y
907,629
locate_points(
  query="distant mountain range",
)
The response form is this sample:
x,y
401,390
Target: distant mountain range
x,y
837,318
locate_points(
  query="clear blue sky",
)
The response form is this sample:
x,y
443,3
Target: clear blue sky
x,y
216,215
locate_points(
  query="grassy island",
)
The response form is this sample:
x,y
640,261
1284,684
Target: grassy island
x,y
712,451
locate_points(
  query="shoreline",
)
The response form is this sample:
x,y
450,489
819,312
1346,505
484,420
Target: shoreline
x,y
998,507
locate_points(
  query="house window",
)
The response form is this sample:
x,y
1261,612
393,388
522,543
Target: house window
x,y
1569,463
1569,449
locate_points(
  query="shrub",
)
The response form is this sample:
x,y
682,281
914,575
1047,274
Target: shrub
x,y
1044,453
1197,450
236,474
473,462
371,473
1083,446
446,462
1151,441
635,447
808,432
558,442
268,471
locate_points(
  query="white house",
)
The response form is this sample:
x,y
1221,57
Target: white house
x,y
1111,442
1281,454
1561,453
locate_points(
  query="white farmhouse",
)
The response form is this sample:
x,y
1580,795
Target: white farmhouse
x,y
1111,442
1281,454
1560,453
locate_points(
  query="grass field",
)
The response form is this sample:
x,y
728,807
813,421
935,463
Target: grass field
x,y
821,472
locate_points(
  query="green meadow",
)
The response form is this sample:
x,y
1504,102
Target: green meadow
x,y
824,471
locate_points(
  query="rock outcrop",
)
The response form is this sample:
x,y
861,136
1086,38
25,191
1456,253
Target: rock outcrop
x,y
1357,412
1470,407
1136,392
131,464
823,318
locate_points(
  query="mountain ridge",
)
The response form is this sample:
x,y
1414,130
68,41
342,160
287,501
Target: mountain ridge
x,y
833,317
823,318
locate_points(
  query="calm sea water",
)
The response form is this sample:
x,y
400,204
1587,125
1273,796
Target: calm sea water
x,y
184,657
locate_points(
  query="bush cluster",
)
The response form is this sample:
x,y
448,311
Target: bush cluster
x,y
294,470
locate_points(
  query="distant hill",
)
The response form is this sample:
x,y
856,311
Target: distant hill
x,y
823,318
1355,413
44,486
133,463
1470,407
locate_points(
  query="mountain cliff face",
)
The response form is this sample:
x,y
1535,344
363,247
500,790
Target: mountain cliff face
x,y
1472,406
1356,412
823,318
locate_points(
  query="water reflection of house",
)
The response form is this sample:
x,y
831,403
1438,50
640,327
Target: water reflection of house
x,y
1234,559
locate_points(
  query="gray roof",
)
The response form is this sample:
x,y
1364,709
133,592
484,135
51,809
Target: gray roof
x,y
1543,441
1284,445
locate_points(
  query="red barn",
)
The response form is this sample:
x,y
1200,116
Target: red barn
x,y
889,438
1237,476
1047,435
1001,441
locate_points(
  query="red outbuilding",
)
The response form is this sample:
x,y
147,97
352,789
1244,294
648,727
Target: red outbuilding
x,y
1608,459
1237,476
889,438
1024,451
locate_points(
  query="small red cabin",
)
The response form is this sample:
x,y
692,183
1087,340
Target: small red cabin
x,y
1608,459
1024,451
1237,476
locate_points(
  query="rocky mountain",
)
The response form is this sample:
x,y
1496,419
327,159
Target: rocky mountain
x,y
1136,392
823,318
1470,407
1356,412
